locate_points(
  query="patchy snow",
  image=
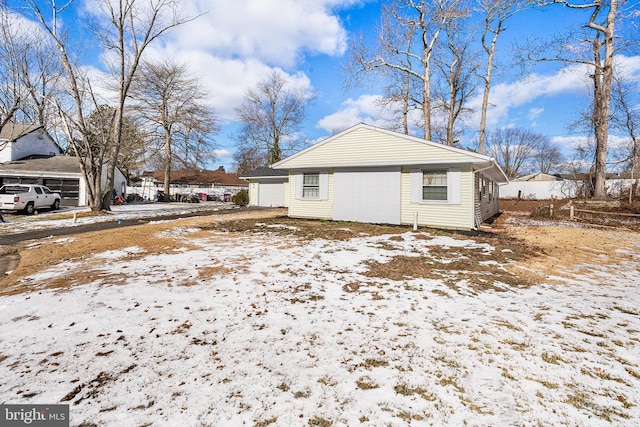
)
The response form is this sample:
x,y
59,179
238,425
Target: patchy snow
x,y
292,332
51,219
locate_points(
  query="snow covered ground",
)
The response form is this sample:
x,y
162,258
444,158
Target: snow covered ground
x,y
273,329
18,223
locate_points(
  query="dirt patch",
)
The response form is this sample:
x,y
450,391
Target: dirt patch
x,y
572,251
523,255
44,254
611,213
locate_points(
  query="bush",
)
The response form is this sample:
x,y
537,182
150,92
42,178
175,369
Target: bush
x,y
241,198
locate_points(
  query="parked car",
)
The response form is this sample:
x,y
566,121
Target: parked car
x,y
193,198
27,198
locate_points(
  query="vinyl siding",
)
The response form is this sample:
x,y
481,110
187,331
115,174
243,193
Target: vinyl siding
x,y
370,147
320,209
488,208
441,215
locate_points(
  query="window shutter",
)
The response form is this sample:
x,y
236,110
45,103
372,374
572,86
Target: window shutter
x,y
298,184
324,185
416,185
454,181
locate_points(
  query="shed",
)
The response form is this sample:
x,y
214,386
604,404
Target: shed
x,y
368,174
268,187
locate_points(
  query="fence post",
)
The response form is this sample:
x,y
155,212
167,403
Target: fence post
x,y
571,212
551,210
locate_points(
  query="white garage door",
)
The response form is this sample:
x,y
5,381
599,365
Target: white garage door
x,y
271,194
367,195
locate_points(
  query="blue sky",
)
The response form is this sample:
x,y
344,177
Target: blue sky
x,y
233,45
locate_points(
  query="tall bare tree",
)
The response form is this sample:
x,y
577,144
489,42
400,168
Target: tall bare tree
x,y
125,28
172,103
595,48
28,72
496,13
406,43
271,116
457,67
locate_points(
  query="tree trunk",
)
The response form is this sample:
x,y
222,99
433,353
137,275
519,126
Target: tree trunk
x,y
603,81
167,164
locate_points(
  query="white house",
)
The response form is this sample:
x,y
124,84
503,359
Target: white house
x,y
28,155
268,187
368,174
18,141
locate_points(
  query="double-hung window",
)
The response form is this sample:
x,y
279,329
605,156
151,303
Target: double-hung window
x,y
434,185
311,186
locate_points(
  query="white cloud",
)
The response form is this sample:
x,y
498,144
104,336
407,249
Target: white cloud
x,y
365,109
506,96
572,142
275,32
534,113
232,48
223,154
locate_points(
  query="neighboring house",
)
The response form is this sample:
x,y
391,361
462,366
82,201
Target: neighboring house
x,y
545,187
61,174
200,178
367,174
18,141
190,181
538,177
268,187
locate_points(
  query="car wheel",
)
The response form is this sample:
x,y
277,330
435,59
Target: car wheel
x,y
56,205
29,209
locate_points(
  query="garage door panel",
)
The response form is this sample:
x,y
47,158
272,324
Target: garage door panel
x,y
367,195
271,194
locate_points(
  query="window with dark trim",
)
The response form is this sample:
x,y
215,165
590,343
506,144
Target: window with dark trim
x,y
434,185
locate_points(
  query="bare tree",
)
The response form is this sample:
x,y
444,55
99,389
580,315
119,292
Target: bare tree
x,y
28,72
126,28
595,49
406,44
627,119
172,103
248,158
514,149
547,155
457,66
496,13
271,116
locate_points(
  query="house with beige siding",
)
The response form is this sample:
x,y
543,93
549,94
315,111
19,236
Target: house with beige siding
x,y
268,187
368,174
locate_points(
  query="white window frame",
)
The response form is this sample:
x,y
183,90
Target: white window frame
x,y
454,187
440,173
308,188
323,181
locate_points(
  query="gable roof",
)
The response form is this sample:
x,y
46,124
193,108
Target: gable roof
x,y
201,177
540,176
364,146
13,131
55,164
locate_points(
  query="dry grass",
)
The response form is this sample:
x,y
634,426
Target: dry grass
x,y
540,250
